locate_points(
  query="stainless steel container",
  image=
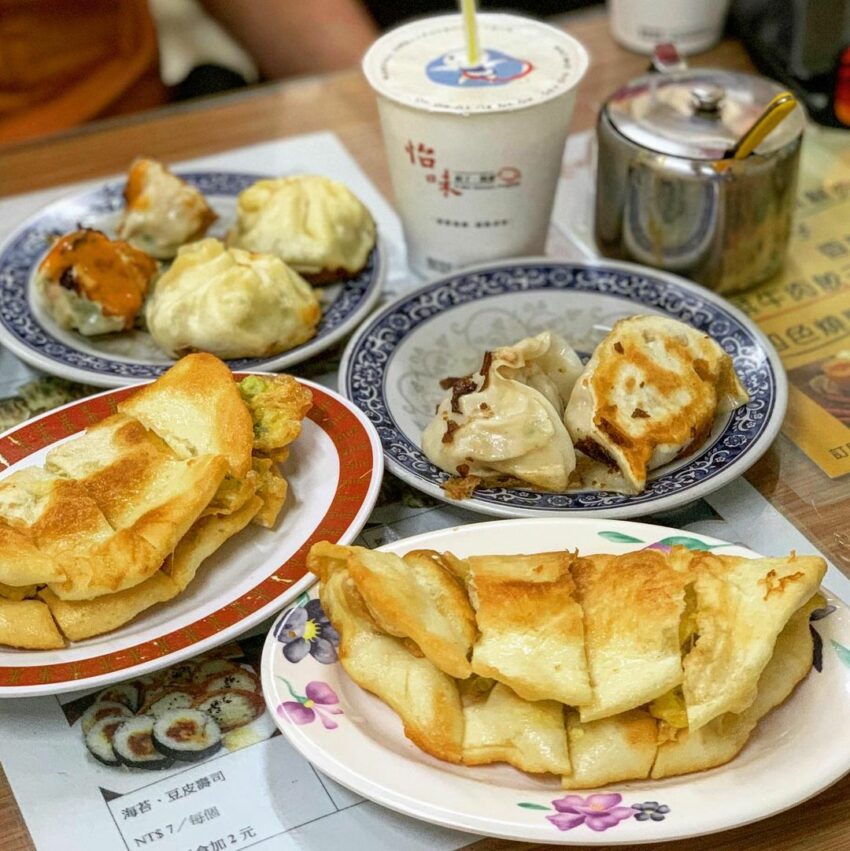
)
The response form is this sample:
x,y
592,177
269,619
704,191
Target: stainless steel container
x,y
667,193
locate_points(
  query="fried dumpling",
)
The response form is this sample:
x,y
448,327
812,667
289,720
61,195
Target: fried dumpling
x,y
231,303
742,606
722,738
502,727
426,699
505,421
94,284
314,224
162,211
530,624
278,404
633,605
610,750
650,392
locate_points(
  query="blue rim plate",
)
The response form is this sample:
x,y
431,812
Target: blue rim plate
x,y
33,336
391,367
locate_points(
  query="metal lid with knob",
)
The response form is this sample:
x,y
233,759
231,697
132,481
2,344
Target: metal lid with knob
x,y
698,113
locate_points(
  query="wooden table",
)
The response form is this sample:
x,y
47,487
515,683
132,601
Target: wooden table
x,y
344,104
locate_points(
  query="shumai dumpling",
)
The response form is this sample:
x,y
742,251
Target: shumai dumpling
x,y
162,211
231,303
314,224
505,421
650,394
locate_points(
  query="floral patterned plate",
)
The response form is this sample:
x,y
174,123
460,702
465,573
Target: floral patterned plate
x,y
351,736
392,367
334,474
115,360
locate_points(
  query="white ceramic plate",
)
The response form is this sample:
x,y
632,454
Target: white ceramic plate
x,y
334,473
115,360
354,738
392,367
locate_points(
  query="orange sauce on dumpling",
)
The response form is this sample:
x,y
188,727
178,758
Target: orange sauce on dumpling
x,y
111,273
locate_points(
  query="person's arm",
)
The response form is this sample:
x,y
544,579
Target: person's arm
x,y
288,37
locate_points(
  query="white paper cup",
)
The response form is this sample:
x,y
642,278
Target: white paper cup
x,y
692,25
474,153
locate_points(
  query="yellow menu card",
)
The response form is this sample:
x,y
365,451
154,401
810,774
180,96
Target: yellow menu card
x,y
805,309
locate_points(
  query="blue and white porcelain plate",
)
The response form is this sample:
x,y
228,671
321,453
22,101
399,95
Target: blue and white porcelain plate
x,y
116,360
392,367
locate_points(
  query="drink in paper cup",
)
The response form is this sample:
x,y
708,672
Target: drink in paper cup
x,y
474,152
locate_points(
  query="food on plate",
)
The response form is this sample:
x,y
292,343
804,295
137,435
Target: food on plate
x,y
230,302
121,517
162,211
505,422
649,394
533,416
314,224
601,668
94,284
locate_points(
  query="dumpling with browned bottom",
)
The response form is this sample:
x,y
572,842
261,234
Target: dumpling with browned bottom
x,y
650,394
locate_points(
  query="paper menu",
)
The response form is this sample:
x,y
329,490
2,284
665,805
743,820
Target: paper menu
x,y
805,310
260,795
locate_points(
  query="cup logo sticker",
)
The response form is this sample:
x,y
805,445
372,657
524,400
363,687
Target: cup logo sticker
x,y
495,69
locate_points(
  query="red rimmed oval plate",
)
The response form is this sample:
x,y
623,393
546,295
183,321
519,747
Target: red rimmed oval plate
x,y
334,473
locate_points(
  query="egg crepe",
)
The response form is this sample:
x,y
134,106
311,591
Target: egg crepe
x,y
417,598
622,747
141,488
196,408
649,393
722,738
633,605
426,699
80,619
502,727
204,538
27,624
531,627
63,535
742,606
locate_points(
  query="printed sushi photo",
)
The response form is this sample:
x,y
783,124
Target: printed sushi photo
x,y
184,714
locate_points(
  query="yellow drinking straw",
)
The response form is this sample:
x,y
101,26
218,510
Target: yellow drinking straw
x,y
470,26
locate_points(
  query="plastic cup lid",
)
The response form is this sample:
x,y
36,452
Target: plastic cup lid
x,y
524,62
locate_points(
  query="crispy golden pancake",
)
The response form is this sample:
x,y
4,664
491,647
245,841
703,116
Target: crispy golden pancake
x,y
80,619
271,488
721,739
27,624
650,393
610,750
149,497
278,404
632,605
426,699
417,598
17,592
742,606
530,624
502,727
204,538
196,409
325,558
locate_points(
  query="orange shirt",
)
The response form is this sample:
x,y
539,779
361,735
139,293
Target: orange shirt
x,y
63,62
